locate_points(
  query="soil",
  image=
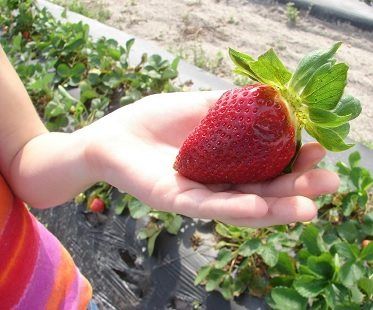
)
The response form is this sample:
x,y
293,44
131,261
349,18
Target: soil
x,y
202,30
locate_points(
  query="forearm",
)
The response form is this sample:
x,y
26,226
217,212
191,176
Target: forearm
x,y
19,122
43,169
50,169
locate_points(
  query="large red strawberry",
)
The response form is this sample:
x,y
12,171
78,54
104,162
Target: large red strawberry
x,y
252,133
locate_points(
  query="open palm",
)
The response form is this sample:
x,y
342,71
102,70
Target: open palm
x,y
135,147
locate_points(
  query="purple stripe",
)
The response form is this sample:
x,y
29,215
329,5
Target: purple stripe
x,y
42,280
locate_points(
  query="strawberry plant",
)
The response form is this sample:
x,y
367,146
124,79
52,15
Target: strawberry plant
x,y
253,133
155,221
58,55
326,264
292,13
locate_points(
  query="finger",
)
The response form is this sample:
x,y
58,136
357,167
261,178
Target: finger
x,y
202,203
316,182
309,156
234,205
311,184
180,195
281,211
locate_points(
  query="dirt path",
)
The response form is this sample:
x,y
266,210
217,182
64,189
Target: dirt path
x,y
201,31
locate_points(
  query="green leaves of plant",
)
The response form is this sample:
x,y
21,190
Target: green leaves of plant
x,y
367,286
350,273
287,298
309,64
44,83
233,232
270,69
359,183
328,112
223,258
321,266
347,250
202,274
249,247
267,69
269,254
312,240
285,265
329,268
137,209
348,231
169,221
267,251
367,225
242,62
151,241
65,71
215,276
309,286
367,252
61,53
326,86
348,105
349,203
331,138
325,118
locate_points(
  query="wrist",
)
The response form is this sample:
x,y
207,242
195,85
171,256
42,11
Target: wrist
x,y
51,169
103,150
85,159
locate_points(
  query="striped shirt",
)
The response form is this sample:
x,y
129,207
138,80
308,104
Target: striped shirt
x,y
36,271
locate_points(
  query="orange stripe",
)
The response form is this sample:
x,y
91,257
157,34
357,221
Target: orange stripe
x,y
6,203
85,293
21,244
63,280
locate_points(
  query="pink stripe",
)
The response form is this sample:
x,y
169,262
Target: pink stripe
x,y
42,280
72,301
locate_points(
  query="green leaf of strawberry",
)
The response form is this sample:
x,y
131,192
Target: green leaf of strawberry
x,y
329,138
327,119
326,86
309,64
270,69
267,69
348,105
243,62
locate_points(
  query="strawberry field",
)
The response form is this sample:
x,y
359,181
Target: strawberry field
x,y
73,81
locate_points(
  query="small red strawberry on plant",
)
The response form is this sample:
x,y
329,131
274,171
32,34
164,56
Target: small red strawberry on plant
x,y
253,133
99,198
26,35
96,204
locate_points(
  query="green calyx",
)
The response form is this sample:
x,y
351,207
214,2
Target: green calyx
x,y
314,92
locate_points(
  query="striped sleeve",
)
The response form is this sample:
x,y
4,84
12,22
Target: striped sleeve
x,y
36,270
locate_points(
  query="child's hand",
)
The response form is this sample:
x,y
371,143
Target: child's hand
x,y
134,149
